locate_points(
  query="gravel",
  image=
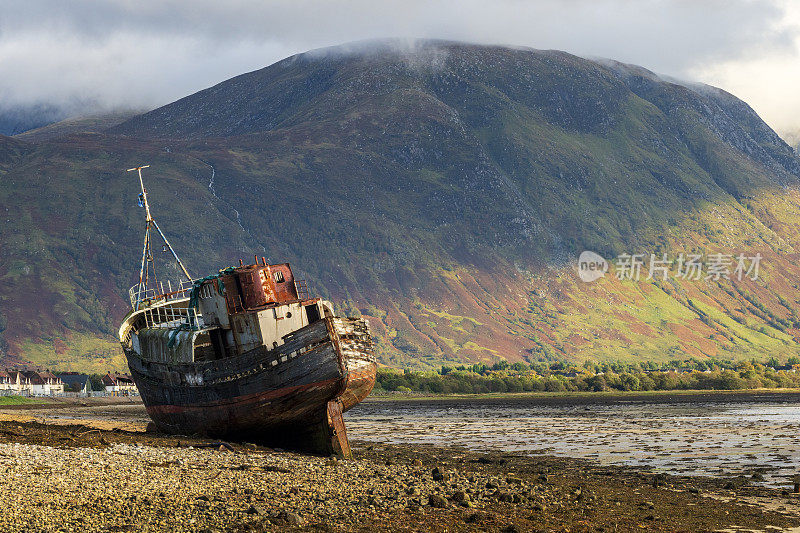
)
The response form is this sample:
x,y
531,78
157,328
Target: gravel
x,y
125,486
70,477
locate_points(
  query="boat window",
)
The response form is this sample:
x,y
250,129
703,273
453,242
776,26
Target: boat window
x,y
279,276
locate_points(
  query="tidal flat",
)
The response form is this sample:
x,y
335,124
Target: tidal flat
x,y
724,434
443,465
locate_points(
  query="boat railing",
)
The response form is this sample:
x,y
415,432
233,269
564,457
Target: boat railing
x,y
169,317
161,293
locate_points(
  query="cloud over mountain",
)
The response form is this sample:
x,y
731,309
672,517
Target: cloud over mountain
x,y
118,53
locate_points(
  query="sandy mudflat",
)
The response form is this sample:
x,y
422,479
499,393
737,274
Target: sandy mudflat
x,y
93,476
714,434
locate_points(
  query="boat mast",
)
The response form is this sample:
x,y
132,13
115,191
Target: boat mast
x,y
151,223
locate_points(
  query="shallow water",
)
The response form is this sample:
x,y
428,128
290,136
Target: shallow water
x,y
701,438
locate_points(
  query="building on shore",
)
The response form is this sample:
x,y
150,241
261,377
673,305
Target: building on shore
x,y
5,380
76,382
18,382
119,383
28,382
44,383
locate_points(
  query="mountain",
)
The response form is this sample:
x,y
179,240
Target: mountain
x,y
80,124
10,150
444,190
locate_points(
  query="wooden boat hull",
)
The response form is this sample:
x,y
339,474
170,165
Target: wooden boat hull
x,y
292,396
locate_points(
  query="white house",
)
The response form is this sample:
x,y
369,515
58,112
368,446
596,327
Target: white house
x,y
120,383
44,383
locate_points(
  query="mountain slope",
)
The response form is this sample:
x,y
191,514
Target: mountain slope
x,y
512,118
443,190
75,125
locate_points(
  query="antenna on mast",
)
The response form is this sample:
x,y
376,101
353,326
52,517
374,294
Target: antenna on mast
x,y
144,191
151,223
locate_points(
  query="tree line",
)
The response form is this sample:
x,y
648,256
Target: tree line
x,y
693,374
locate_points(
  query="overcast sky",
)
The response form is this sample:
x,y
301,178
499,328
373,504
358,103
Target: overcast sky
x,y
142,54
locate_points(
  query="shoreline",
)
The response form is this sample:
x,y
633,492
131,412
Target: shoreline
x,y
583,398
58,402
543,398
74,476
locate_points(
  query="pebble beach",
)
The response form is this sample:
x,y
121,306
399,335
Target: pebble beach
x,y
67,477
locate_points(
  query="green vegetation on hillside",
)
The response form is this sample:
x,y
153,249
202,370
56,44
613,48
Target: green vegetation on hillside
x,y
76,352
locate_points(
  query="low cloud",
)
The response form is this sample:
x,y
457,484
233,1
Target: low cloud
x,y
143,54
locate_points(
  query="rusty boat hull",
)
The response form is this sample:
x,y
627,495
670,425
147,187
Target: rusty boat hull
x,y
292,396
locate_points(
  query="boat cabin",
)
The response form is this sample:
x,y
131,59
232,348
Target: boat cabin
x,y
231,313
250,306
252,287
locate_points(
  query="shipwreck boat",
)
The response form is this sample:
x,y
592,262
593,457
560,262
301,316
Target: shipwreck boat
x,y
244,354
